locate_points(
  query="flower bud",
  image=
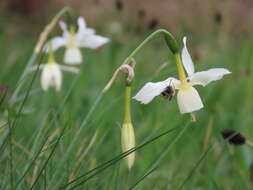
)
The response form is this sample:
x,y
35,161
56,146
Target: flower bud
x,y
127,131
128,142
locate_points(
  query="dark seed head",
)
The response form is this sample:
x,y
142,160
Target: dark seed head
x,y
218,17
233,137
153,24
141,13
119,5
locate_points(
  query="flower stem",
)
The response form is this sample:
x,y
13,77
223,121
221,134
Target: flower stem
x,y
127,117
180,68
170,41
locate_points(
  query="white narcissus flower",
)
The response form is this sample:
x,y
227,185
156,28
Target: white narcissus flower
x,y
73,41
188,98
52,75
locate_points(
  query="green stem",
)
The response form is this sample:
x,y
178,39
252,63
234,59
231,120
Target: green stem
x,y
170,41
180,68
127,118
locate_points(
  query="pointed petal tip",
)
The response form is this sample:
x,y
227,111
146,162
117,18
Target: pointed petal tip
x,y
184,40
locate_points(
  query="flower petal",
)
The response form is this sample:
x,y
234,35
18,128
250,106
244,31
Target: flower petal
x,y
205,77
57,42
187,60
64,28
69,69
51,76
83,31
73,56
150,90
45,77
93,41
81,23
57,76
188,100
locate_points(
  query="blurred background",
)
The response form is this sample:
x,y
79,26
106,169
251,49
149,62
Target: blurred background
x,y
219,35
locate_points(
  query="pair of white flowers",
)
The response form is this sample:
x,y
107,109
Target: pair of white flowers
x,y
84,38
188,98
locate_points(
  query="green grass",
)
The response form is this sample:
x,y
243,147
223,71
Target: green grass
x,y
184,158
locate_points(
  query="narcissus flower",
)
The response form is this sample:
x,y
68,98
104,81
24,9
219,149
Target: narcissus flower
x,y
74,40
52,75
188,98
52,71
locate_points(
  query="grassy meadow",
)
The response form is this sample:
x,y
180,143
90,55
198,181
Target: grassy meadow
x,y
48,139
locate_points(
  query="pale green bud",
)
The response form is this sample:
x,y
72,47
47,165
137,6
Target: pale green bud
x,y
128,142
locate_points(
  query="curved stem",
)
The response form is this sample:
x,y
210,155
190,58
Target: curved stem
x,y
170,40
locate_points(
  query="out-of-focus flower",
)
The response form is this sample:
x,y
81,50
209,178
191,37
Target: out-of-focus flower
x,y
188,98
73,40
51,75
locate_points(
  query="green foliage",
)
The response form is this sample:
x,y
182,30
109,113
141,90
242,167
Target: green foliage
x,y
54,137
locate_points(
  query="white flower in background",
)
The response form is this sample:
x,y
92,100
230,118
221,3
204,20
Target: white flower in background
x,y
188,98
52,74
73,41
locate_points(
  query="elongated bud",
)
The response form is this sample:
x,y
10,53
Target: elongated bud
x,y
128,142
127,131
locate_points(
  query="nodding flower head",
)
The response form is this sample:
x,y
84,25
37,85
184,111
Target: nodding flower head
x,y
52,72
51,76
73,40
188,97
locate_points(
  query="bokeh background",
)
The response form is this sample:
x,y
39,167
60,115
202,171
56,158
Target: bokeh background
x,y
192,157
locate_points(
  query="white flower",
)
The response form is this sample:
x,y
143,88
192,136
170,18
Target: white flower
x,y
52,75
73,41
188,98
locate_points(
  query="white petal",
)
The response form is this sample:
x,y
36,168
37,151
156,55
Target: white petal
x,y
187,60
188,100
69,69
73,55
64,28
57,42
81,23
51,76
83,30
205,77
57,77
150,90
45,77
93,41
